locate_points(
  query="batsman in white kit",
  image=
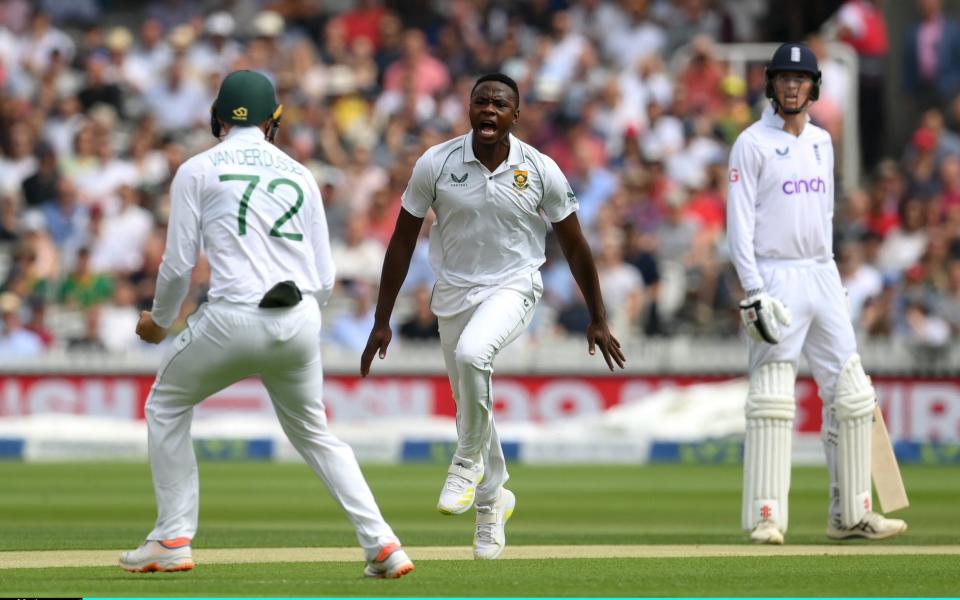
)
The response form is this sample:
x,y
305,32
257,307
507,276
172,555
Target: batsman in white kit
x,y
258,215
491,194
780,208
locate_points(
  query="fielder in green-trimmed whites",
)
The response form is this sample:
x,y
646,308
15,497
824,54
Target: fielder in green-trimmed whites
x,y
492,195
259,216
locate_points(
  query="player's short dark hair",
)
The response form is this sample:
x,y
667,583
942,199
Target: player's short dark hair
x,y
504,79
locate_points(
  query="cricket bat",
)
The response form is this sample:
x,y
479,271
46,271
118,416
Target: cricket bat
x,y
883,467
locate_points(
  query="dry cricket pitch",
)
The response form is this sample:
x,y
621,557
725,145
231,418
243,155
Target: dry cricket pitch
x,y
104,558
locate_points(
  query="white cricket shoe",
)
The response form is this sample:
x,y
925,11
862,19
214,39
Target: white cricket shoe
x,y
159,555
459,489
391,563
873,526
767,532
490,539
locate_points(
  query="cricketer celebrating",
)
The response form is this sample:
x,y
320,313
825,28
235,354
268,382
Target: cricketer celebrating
x,y
779,219
488,190
258,215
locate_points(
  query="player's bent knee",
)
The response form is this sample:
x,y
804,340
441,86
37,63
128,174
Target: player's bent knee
x,y
854,396
771,392
473,355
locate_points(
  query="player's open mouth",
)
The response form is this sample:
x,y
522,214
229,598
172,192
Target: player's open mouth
x,y
487,129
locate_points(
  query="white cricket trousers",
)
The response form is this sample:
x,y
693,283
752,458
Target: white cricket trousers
x,y
821,329
223,344
471,341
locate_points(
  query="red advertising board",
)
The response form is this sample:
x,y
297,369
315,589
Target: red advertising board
x,y
915,408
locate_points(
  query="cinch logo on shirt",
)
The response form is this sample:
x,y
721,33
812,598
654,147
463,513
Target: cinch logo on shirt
x,y
804,186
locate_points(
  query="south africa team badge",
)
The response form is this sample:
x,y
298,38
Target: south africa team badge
x,y
519,179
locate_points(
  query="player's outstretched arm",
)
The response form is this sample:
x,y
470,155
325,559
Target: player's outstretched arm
x,y
395,266
578,255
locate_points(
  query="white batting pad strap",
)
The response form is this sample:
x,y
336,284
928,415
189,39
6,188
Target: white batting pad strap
x,y
771,393
766,471
854,396
853,466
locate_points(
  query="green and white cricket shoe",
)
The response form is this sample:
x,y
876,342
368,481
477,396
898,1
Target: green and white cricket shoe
x,y
766,532
459,489
490,539
873,526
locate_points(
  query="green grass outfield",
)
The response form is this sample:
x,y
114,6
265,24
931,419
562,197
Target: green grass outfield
x,y
99,507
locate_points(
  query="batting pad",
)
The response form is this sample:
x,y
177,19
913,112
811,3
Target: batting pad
x,y
853,407
766,472
766,454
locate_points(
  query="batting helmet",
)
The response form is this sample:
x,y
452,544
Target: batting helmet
x,y
793,57
246,98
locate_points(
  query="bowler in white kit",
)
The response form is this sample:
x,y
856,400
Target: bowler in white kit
x,y
258,215
780,208
492,195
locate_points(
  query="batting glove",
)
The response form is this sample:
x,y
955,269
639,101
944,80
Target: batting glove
x,y
762,315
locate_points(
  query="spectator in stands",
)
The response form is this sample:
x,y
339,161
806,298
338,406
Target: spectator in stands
x,y
89,341
65,217
574,315
349,331
120,246
862,281
422,324
358,258
861,23
931,61
856,216
15,340
924,328
37,321
949,187
904,244
42,42
118,319
428,74
620,282
98,89
887,191
18,160
35,259
83,287
948,301
702,76
9,220
217,51
827,111
41,186
420,274
177,101
635,37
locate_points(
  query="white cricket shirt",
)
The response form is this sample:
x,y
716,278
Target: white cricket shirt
x,y
257,214
780,196
489,231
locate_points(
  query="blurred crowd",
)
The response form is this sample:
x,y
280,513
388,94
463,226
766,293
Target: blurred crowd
x,y
100,102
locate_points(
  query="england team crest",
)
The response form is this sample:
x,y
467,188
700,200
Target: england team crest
x,y
519,179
